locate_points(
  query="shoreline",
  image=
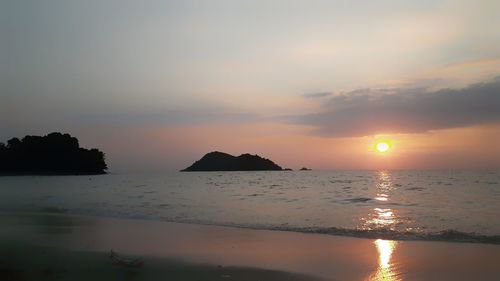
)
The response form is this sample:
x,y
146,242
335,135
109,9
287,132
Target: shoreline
x,y
307,255
445,236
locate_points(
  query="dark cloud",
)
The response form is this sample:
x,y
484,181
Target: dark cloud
x,y
317,95
405,110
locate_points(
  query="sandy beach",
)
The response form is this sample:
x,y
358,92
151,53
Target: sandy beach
x,y
64,247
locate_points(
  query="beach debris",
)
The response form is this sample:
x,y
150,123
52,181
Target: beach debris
x,y
125,262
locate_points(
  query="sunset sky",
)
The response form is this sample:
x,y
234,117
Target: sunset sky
x,y
157,84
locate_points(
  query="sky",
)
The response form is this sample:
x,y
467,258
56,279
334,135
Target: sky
x,y
157,84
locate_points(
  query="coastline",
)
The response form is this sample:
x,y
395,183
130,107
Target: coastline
x,y
275,255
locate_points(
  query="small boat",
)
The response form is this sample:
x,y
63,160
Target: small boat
x,y
126,262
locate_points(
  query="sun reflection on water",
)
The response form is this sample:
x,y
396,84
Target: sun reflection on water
x,y
386,270
381,217
384,185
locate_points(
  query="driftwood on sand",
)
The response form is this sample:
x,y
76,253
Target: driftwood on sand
x,y
126,262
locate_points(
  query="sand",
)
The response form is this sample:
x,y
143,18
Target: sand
x,y
65,247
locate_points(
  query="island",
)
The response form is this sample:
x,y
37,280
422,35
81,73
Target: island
x,y
53,154
305,169
220,161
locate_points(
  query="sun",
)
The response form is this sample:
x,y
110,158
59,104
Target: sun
x,y
382,146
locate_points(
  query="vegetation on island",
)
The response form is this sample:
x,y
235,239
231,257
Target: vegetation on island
x,y
220,161
55,154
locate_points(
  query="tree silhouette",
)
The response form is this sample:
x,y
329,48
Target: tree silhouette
x,y
54,153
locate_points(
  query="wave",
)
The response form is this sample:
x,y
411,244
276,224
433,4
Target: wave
x,y
448,235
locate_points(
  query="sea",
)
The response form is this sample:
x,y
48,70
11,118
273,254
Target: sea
x,y
455,206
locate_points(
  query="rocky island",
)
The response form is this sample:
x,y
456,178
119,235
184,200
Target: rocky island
x,y
53,154
220,161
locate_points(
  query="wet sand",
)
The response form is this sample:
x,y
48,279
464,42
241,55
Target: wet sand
x,y
64,247
28,262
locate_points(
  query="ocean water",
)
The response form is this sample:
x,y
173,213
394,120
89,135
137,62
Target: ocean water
x,y
408,205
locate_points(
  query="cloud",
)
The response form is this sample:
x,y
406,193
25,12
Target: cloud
x,y
405,110
316,95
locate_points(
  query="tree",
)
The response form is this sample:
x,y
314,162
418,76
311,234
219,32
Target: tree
x,y
54,153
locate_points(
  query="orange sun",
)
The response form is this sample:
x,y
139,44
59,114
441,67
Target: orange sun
x,y
382,146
